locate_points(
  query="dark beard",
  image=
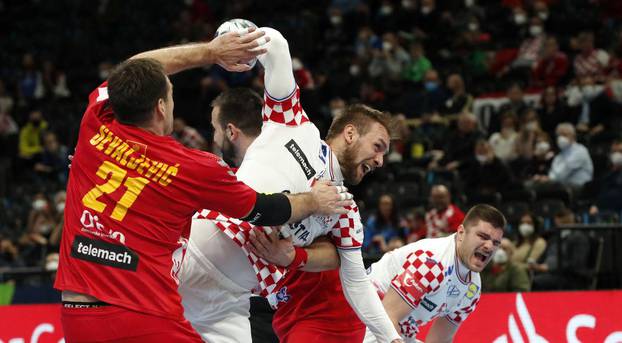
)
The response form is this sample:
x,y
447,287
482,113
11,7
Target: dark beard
x,y
228,153
349,165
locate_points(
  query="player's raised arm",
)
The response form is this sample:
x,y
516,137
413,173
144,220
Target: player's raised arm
x,y
226,50
279,76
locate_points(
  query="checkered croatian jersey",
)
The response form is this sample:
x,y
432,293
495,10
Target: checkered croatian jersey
x,y
289,156
425,275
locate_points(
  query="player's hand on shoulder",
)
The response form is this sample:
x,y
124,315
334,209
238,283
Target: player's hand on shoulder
x,y
231,48
269,247
331,199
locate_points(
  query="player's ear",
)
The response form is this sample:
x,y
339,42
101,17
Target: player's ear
x,y
232,132
350,133
461,231
161,107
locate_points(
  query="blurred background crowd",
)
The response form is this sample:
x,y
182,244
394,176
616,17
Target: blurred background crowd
x,y
515,103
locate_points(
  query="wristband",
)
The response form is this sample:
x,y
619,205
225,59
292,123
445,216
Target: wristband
x,y
300,259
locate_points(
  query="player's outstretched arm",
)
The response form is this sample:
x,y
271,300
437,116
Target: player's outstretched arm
x,y
225,50
362,296
277,62
442,331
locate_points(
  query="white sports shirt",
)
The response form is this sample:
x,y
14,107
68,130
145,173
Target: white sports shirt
x,y
427,275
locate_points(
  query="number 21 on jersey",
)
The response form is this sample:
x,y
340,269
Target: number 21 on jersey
x,y
115,176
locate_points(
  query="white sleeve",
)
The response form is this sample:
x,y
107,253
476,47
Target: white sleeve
x,y
279,76
362,296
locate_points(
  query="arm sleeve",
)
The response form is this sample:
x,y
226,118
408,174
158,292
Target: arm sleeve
x,y
420,274
216,187
362,296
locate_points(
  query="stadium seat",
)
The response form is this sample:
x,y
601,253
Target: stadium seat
x,y
555,191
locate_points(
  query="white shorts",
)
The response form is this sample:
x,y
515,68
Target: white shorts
x,y
216,307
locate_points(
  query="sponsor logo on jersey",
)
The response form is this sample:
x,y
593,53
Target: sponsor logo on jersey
x,y
300,231
301,158
472,291
453,291
428,304
449,270
282,296
108,254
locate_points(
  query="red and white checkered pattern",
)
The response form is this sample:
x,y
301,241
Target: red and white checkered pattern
x,y
268,275
421,274
348,230
460,315
287,111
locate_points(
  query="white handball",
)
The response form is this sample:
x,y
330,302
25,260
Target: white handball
x,y
237,25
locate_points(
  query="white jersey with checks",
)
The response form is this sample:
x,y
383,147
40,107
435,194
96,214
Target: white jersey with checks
x,y
289,156
427,275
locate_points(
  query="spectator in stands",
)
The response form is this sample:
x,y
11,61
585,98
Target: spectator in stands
x,y
366,41
419,63
54,81
30,135
460,101
531,47
41,222
503,275
51,164
484,173
572,166
59,205
503,143
30,81
458,145
336,106
434,94
551,111
529,245
188,135
516,105
609,187
390,60
528,132
415,225
9,254
540,162
552,66
443,218
383,226
569,272
590,61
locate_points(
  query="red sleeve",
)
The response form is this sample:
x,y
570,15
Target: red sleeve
x,y
217,188
99,106
455,220
421,274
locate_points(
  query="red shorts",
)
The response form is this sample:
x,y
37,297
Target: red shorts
x,y
116,324
311,334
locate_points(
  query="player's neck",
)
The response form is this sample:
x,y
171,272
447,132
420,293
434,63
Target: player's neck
x,y
241,147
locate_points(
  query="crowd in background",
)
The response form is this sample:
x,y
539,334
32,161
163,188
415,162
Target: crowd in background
x,y
547,152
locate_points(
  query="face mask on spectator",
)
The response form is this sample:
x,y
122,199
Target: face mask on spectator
x,y
387,46
525,229
616,158
563,142
469,3
430,85
335,19
51,265
500,257
355,70
543,15
535,30
425,10
589,92
481,158
60,207
336,112
542,148
520,18
407,4
473,26
39,204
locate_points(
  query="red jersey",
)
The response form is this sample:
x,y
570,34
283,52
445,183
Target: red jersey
x,y
130,198
318,296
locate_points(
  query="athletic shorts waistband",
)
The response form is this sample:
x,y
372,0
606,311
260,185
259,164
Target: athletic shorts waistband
x,y
77,304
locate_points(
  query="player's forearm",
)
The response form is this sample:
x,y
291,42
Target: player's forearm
x,y
362,296
181,57
322,255
279,76
302,206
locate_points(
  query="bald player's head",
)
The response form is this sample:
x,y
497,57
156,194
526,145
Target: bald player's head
x,y
440,198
